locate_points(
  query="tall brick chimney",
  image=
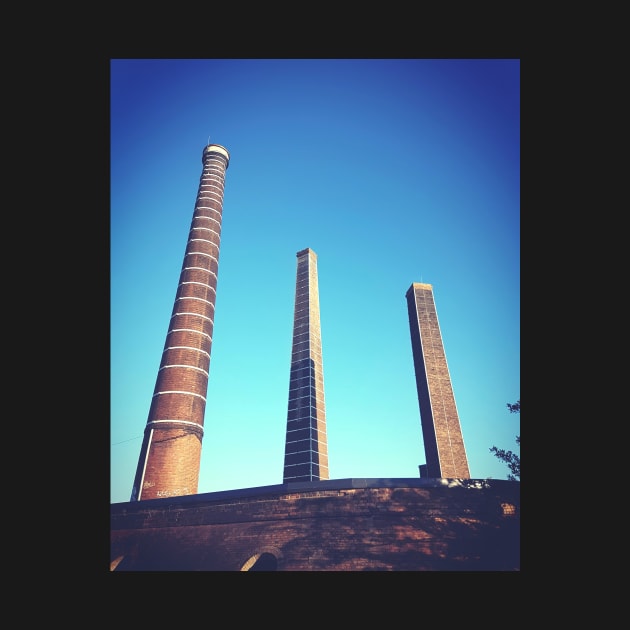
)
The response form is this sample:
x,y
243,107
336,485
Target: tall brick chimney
x,y
306,448
441,431
171,448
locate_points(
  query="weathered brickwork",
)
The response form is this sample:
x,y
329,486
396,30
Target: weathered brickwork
x,y
339,525
441,431
306,446
174,460
171,449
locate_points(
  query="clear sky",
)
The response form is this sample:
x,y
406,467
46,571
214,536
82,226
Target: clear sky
x,y
393,172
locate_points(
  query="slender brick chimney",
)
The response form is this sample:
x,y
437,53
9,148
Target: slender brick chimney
x,y
171,448
441,431
306,449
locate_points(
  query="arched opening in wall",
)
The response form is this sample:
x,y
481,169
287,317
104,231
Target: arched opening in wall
x,y
115,562
261,562
122,563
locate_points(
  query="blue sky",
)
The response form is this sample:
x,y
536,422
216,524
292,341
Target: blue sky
x,y
393,172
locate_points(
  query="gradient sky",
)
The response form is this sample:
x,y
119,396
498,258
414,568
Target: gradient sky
x,y
393,172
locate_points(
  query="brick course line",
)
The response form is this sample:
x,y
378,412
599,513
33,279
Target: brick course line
x,y
202,254
179,392
186,348
192,330
185,422
192,297
183,313
189,367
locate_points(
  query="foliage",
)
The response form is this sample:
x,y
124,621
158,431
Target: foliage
x,y
512,460
515,408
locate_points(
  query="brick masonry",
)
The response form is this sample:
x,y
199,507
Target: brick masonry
x,y
441,431
170,454
306,445
338,525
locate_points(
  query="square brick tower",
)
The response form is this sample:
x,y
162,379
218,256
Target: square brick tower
x,y
171,448
441,431
306,449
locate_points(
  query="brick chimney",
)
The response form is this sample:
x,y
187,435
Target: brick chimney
x,y
171,449
442,434
306,448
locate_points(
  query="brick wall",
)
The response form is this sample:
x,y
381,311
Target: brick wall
x,y
339,525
